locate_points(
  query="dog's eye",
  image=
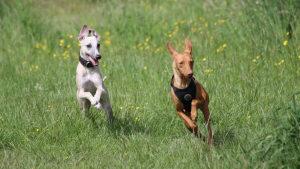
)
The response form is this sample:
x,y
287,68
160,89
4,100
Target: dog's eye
x,y
180,63
98,45
89,46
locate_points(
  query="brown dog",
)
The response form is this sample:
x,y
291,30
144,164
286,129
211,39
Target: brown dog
x,y
188,95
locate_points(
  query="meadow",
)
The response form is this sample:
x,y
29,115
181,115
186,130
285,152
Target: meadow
x,y
247,56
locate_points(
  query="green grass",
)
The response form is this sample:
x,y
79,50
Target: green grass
x,y
253,103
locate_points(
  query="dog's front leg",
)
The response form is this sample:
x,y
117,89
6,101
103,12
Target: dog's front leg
x,y
97,97
86,95
194,110
191,126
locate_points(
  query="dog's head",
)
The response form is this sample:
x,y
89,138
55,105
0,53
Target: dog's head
x,y
90,46
183,62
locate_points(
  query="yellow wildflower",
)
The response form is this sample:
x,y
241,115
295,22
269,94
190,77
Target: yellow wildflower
x,y
285,42
37,45
137,108
37,130
54,55
235,28
103,65
170,35
49,106
107,42
79,44
224,45
24,63
182,22
249,117
68,46
36,67
299,56
215,23
67,157
287,33
222,21
176,23
61,41
218,50
254,60
107,33
206,24
145,67
121,108
257,57
125,154
44,47
71,36
204,59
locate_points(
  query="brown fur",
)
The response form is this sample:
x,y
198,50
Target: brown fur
x,y
183,73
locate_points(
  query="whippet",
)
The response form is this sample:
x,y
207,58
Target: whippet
x,y
90,86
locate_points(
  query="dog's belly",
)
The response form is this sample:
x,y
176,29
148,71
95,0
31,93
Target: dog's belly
x,y
90,87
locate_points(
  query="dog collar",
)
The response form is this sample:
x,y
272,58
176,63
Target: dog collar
x,y
85,62
185,95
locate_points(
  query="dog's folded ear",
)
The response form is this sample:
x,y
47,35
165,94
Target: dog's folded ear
x,y
171,49
94,33
188,46
83,33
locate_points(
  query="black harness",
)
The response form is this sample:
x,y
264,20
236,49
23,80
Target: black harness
x,y
85,62
185,95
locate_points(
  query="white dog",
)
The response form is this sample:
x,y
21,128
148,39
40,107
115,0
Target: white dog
x,y
90,86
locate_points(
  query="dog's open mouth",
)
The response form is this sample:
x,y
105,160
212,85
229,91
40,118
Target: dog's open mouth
x,y
94,61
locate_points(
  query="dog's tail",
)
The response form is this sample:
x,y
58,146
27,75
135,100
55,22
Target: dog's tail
x,y
104,78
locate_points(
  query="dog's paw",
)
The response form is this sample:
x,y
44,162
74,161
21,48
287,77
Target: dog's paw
x,y
194,119
98,106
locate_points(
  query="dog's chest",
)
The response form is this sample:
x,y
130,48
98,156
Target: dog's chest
x,y
88,81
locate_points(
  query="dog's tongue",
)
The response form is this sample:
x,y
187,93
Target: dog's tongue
x,y
94,61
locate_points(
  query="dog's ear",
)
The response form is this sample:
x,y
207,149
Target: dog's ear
x,y
94,33
171,49
188,46
83,33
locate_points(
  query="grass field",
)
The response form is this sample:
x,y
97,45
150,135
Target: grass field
x,y
247,56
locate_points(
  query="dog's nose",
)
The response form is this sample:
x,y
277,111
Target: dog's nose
x,y
98,57
190,73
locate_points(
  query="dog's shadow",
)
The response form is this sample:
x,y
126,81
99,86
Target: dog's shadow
x,y
224,137
119,125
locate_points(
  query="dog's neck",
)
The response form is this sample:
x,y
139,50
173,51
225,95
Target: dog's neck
x,y
179,81
83,55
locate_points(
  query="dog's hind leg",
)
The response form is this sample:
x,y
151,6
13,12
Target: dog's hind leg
x,y
84,104
104,101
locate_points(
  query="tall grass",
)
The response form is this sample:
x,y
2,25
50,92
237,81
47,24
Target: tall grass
x,y
246,56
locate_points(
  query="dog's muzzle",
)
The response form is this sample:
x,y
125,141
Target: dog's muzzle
x,y
98,57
